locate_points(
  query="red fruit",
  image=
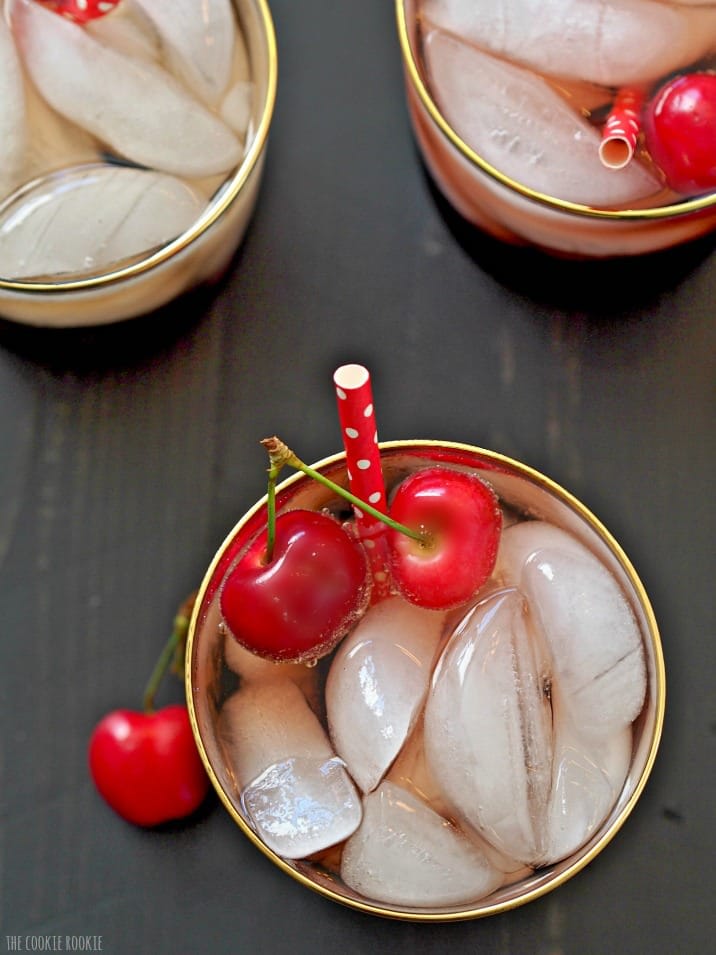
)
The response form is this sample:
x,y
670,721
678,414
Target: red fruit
x,y
462,518
300,604
680,130
146,766
81,11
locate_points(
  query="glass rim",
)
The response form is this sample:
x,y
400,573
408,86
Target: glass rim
x,y
414,77
216,207
544,884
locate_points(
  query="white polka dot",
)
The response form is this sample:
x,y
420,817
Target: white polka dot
x,y
349,475
351,432
374,498
359,513
363,464
375,438
368,411
341,393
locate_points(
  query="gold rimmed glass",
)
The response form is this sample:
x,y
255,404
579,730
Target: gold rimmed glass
x,y
208,683
513,212
200,254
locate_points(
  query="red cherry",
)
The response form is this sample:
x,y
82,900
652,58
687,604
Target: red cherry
x,y
462,517
146,765
300,604
680,130
81,11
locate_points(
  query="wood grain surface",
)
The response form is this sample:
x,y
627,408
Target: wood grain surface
x,y
127,453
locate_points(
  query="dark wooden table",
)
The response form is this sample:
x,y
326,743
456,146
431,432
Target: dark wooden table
x,y
127,452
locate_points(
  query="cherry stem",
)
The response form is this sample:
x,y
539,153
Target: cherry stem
x,y
273,473
171,655
280,454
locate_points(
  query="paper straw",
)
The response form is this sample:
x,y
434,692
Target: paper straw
x,y
621,129
354,396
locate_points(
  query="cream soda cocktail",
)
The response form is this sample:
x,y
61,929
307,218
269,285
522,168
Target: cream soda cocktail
x,y
582,127
438,762
129,127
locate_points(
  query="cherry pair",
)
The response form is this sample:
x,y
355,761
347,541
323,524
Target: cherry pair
x,y
295,598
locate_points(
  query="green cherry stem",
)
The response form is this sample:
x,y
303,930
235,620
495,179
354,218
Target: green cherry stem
x,y
273,473
172,654
280,455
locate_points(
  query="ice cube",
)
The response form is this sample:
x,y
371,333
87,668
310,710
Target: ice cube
x,y
488,726
54,141
411,771
522,127
593,636
128,30
236,104
236,107
613,44
294,791
404,853
377,683
85,218
252,668
587,780
12,113
198,42
131,104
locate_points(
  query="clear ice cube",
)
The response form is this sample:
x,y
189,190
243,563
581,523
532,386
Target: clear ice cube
x,y
131,104
613,44
86,218
294,791
377,684
404,853
252,668
128,30
594,639
54,141
12,112
197,40
488,726
588,778
520,125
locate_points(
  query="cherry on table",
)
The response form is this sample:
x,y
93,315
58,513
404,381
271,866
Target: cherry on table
x,y
680,132
146,765
299,603
461,520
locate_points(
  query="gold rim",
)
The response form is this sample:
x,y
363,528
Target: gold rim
x,y
673,211
214,210
547,883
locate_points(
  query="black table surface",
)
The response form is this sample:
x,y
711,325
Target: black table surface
x,y
127,452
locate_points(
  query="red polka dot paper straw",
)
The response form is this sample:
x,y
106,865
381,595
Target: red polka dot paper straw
x,y
354,396
621,129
